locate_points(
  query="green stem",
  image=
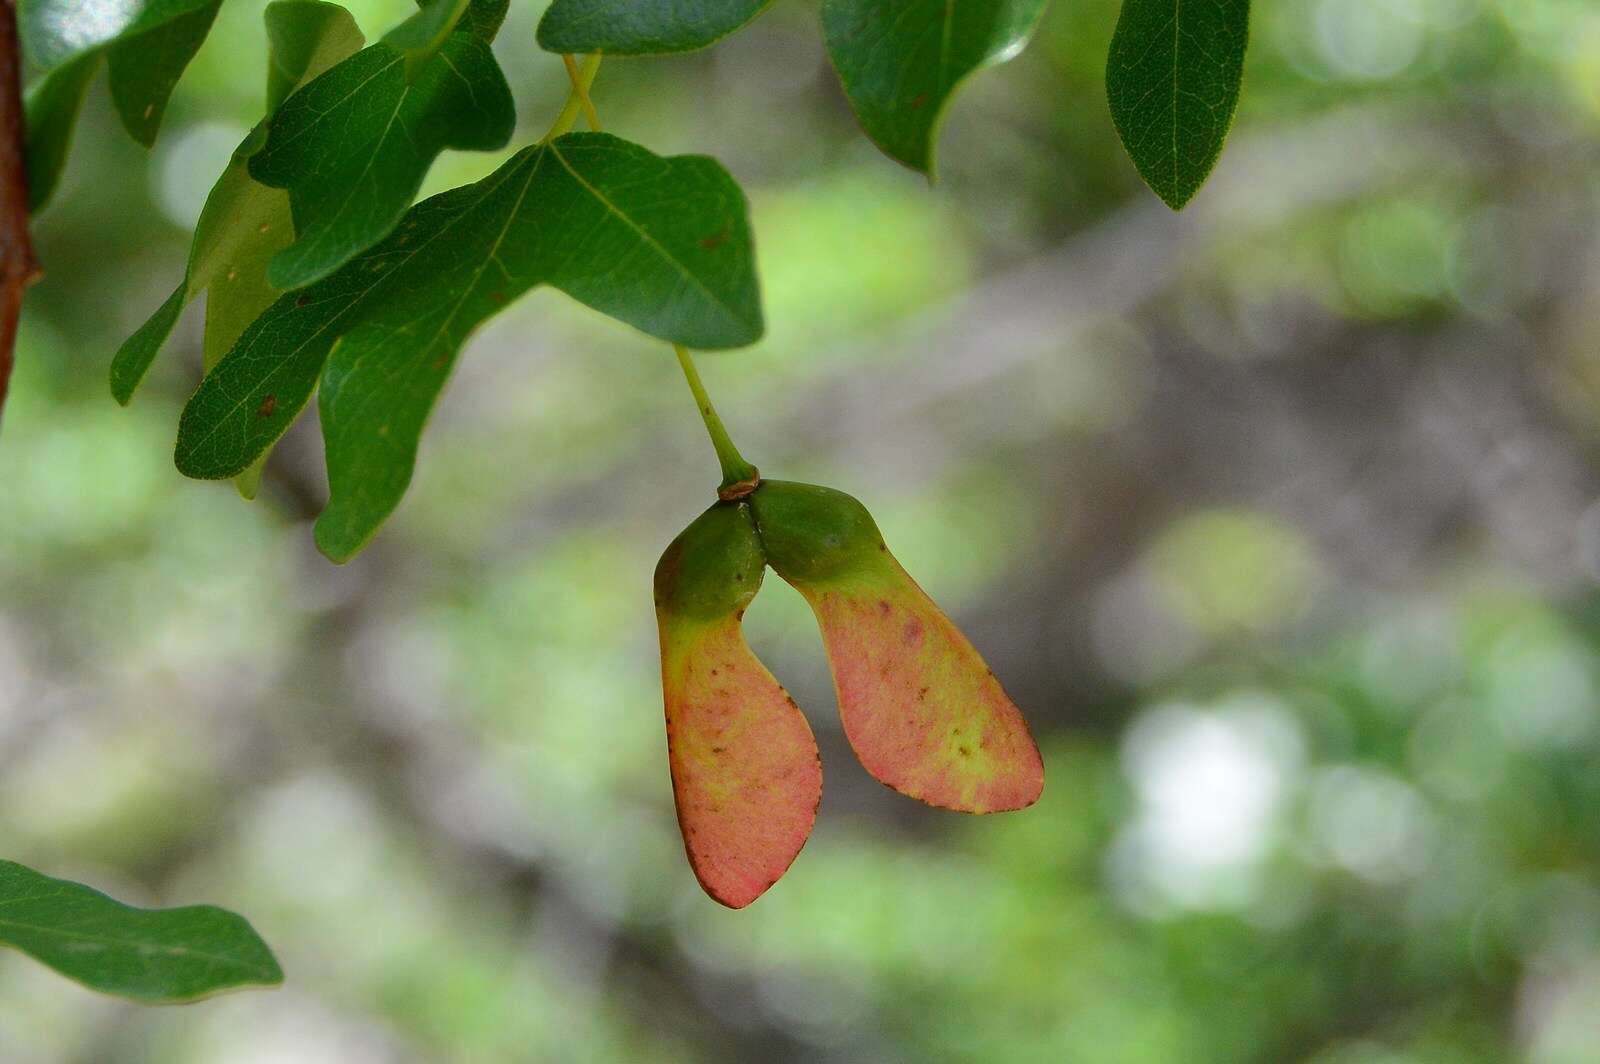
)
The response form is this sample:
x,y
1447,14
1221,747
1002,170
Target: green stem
x,y
575,98
739,478
736,472
581,87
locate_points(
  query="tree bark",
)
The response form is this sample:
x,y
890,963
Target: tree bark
x,y
18,267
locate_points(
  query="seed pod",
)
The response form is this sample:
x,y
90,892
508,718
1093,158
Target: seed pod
x,y
924,713
745,770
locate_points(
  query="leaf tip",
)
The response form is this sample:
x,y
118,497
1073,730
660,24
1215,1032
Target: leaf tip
x,y
333,541
1175,198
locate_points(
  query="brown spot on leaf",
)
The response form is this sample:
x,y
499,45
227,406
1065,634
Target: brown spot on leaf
x,y
268,405
302,300
715,240
883,607
919,100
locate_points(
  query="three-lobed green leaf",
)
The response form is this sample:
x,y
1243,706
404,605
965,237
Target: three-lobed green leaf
x,y
1172,80
900,61
660,243
353,146
642,27
151,955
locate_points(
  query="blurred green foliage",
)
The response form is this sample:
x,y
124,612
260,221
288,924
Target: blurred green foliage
x,y
1275,516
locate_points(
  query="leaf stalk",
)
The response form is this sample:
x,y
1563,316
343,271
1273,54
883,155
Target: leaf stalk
x,y
580,88
577,97
739,477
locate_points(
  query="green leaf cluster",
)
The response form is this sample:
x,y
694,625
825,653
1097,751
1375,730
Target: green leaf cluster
x,y
353,146
1172,77
243,224
899,61
662,244
320,274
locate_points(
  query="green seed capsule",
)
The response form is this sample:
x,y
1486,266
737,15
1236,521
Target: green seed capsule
x,y
811,532
715,565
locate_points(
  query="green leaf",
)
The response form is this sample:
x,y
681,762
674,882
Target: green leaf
x,y
143,68
151,955
485,16
305,38
353,146
243,223
133,359
419,37
901,60
148,42
56,31
52,114
1172,80
662,244
642,27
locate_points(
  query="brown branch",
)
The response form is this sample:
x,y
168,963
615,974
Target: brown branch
x,y
18,267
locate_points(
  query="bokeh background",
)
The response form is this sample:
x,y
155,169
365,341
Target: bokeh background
x,y
1278,517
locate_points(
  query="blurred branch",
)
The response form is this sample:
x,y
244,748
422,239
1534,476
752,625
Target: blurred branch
x,y
18,267
1109,270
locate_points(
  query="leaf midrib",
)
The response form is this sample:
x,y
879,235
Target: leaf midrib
x,y
130,943
321,116
1177,42
649,240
